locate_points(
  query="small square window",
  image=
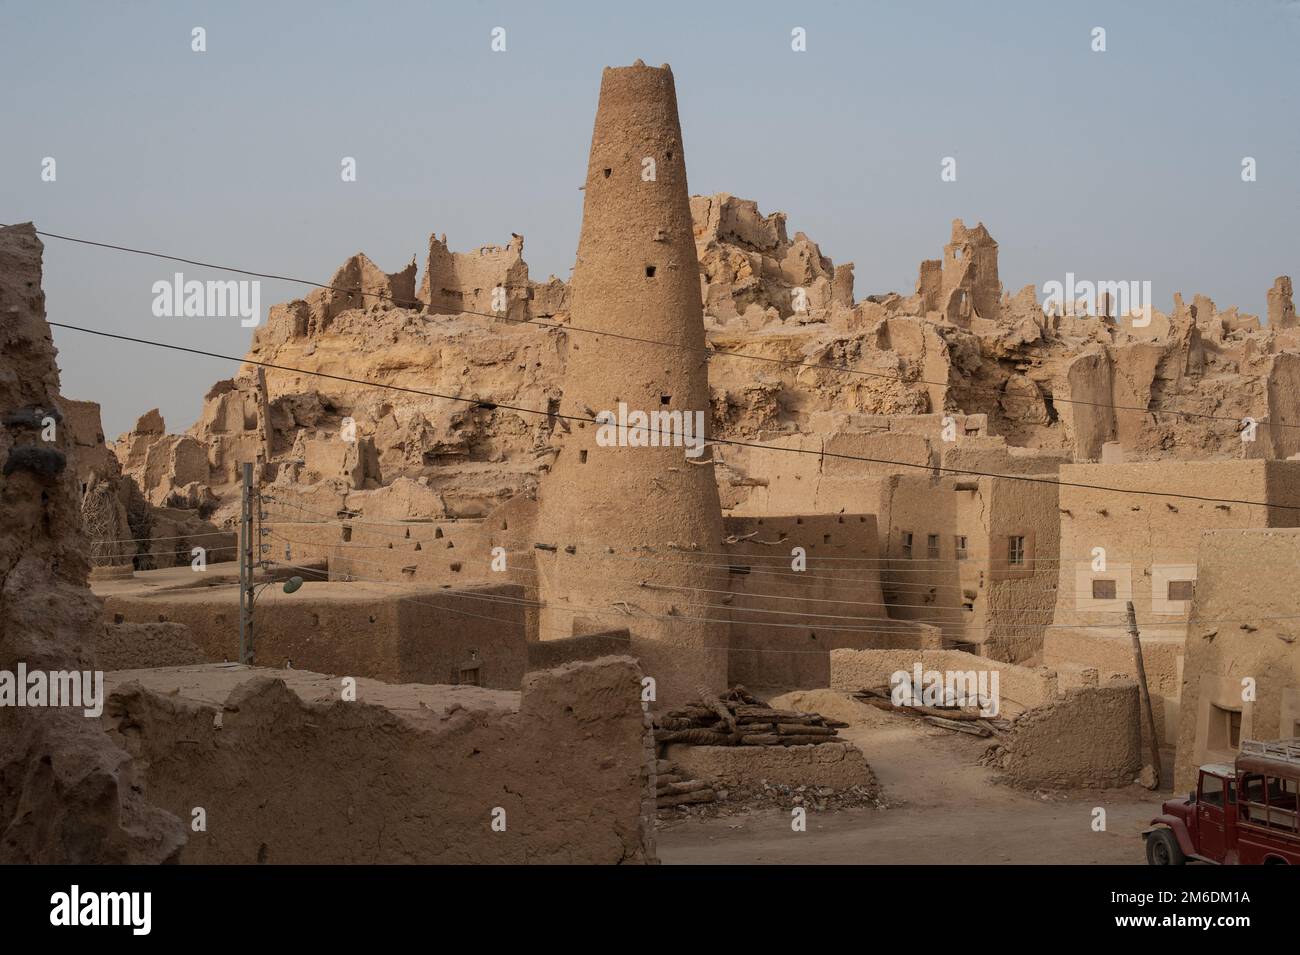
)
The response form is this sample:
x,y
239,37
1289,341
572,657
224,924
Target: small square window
x,y
1103,590
1016,551
1180,590
1224,732
932,546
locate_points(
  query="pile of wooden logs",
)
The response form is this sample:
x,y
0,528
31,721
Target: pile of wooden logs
x,y
737,718
673,789
959,719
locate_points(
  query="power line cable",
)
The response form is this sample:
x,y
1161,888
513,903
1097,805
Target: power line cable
x,y
707,351
729,442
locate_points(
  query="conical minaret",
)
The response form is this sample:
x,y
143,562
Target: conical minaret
x,y
631,525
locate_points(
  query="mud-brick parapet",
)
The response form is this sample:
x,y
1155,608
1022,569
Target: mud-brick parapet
x,y
288,771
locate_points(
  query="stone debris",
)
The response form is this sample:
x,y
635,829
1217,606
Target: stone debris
x,y
1066,380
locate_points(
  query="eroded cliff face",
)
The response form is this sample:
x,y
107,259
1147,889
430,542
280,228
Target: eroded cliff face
x,y
66,792
477,326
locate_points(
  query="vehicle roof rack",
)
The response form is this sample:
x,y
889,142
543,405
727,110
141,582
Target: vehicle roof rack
x,y
1284,750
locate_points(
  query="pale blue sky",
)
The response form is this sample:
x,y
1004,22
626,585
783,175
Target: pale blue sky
x,y
1116,165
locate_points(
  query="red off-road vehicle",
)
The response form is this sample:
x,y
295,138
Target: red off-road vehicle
x,y
1246,814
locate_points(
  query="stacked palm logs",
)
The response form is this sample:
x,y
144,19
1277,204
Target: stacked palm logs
x,y
672,788
738,718
959,719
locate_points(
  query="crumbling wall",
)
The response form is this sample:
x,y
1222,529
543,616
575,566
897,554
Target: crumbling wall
x,y
960,348
835,765
491,280
66,791
1020,688
1087,739
560,773
136,646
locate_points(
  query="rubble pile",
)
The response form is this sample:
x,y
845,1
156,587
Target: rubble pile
x,y
1068,379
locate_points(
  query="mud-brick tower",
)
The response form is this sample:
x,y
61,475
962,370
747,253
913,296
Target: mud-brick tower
x,y
631,526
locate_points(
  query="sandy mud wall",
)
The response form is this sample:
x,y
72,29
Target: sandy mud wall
x,y
1020,688
1089,738
785,621
388,780
1241,672
356,629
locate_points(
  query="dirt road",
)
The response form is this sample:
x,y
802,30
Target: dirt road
x,y
943,808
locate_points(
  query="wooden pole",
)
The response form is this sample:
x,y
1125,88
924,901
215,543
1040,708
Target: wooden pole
x,y
1144,695
246,567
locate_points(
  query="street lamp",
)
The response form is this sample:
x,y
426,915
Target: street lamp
x,y
246,614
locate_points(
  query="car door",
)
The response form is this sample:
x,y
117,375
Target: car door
x,y
1209,817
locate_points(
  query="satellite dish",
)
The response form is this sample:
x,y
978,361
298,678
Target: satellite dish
x,y
292,584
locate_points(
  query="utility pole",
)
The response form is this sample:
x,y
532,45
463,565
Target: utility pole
x,y
1144,694
246,568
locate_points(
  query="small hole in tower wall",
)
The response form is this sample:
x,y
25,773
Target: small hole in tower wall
x,y
649,271
607,172
582,457
664,399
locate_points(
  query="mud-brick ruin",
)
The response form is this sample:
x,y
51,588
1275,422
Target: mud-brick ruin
x,y
498,626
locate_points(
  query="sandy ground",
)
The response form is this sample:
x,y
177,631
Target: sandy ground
x,y
943,808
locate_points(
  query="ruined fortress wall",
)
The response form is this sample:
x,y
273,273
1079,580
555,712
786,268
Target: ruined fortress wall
x,y
1243,626
399,635
457,282
636,274
403,774
90,454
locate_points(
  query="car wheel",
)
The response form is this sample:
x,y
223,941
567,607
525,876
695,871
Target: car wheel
x,y
1163,849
